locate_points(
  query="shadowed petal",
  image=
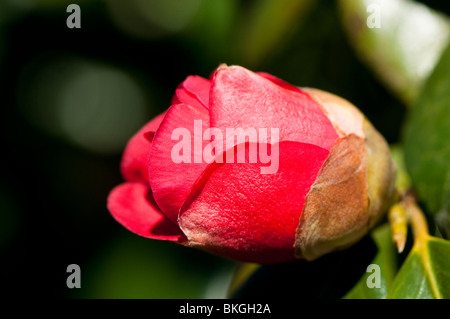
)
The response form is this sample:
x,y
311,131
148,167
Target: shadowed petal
x,y
134,160
170,181
132,205
194,91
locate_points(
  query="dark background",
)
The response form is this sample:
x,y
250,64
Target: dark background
x,y
71,98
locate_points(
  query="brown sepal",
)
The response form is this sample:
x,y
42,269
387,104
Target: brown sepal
x,y
335,212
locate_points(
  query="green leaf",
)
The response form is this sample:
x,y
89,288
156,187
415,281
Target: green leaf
x,y
403,51
387,260
425,273
427,147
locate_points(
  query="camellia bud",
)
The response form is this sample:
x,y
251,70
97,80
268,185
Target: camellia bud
x,y
249,167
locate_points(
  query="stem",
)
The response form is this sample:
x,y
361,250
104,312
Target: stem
x,y
418,222
421,238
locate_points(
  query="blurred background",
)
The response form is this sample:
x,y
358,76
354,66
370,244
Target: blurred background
x,y
71,98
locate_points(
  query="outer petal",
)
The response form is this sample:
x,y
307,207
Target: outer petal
x,y
243,99
132,205
237,212
171,182
194,91
135,156
344,115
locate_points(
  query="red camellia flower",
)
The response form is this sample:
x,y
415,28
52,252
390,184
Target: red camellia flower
x,y
317,177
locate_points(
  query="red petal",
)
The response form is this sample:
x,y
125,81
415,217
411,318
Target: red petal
x,y
237,212
280,82
194,91
132,205
171,182
149,136
135,156
243,99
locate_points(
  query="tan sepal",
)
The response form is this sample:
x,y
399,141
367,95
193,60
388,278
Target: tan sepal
x,y
381,173
335,212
